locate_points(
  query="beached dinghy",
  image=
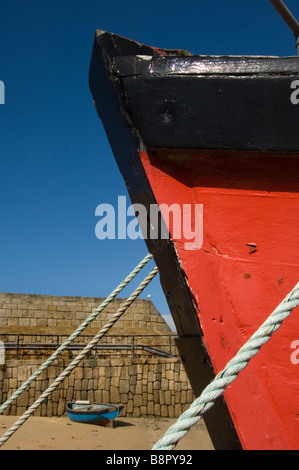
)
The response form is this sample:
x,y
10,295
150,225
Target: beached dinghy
x,y
221,133
93,413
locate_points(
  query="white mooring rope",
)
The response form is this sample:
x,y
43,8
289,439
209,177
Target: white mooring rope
x,y
216,388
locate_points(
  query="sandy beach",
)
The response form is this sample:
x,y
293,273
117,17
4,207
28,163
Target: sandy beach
x,y
128,434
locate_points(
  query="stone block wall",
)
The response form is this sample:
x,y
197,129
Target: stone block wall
x,y
47,314
145,386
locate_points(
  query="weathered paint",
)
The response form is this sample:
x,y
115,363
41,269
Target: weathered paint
x,y
247,265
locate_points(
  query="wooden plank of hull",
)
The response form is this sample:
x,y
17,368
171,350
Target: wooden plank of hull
x,y
220,294
218,112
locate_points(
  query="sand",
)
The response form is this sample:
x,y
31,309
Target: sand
x,y
128,434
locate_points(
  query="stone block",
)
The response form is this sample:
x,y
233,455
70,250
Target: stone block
x,y
151,376
157,385
124,386
55,396
136,413
23,399
167,397
137,400
79,373
106,397
164,411
150,408
169,374
77,385
130,406
171,411
144,398
178,410
164,384
123,398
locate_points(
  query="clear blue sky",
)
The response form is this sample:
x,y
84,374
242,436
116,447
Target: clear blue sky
x,y
56,165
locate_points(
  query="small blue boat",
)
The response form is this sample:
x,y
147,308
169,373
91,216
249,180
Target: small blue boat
x,y
93,413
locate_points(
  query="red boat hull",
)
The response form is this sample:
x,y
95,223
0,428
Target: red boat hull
x,y
247,265
221,133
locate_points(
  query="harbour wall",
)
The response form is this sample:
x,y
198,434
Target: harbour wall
x,y
47,314
146,386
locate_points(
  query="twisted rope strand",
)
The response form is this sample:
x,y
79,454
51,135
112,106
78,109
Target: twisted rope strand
x,y
79,330
79,357
217,387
